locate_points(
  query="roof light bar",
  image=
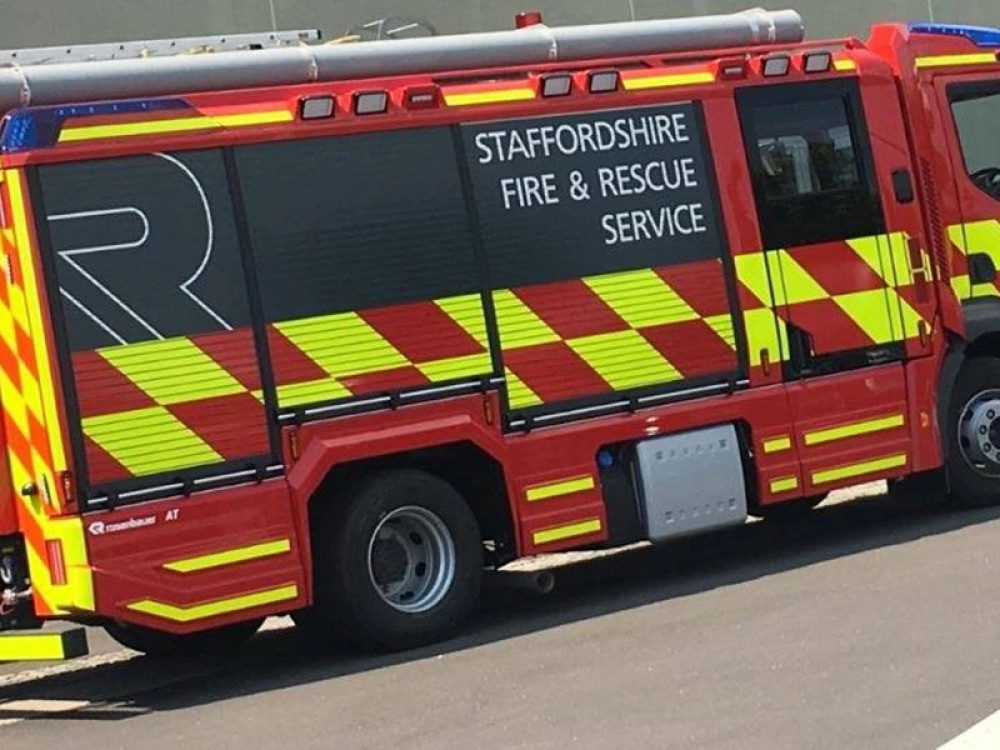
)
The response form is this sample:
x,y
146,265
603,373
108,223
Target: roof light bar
x,y
817,62
777,65
371,102
603,81
557,85
316,107
981,36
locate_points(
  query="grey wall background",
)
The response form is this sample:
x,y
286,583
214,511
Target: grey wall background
x,y
29,23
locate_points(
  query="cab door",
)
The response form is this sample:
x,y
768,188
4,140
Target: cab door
x,y
841,235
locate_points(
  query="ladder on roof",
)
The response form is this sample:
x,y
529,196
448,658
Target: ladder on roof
x,y
157,47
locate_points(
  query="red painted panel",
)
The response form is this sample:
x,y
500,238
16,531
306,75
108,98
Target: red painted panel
x,y
101,389
422,332
555,372
571,309
692,347
701,285
232,425
235,352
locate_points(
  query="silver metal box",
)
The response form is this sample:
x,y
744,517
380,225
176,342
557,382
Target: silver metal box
x,y
691,481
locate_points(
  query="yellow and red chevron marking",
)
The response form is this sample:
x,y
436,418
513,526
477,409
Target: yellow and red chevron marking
x,y
32,430
377,350
847,295
168,405
976,237
614,332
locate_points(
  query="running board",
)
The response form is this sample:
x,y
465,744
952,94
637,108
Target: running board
x,y
43,646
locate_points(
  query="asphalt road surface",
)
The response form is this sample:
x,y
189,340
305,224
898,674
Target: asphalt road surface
x,y
873,625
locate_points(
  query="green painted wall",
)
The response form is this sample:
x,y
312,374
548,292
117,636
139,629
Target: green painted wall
x,y
27,23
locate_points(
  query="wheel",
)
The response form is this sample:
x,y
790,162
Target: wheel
x,y
159,643
790,510
398,562
973,434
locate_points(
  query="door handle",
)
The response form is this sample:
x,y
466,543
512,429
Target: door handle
x,y
917,267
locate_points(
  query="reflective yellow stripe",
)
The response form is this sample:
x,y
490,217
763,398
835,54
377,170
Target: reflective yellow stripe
x,y
518,392
519,325
793,285
488,97
844,65
857,470
467,312
723,326
942,61
765,330
172,371
677,79
343,344
818,437
776,445
148,441
326,389
559,533
786,484
560,488
455,368
67,644
228,557
641,298
213,609
178,125
625,359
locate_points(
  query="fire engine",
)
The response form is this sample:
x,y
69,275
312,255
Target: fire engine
x,y
329,329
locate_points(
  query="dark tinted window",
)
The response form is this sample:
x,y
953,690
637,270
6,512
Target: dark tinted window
x,y
144,247
976,107
810,164
357,221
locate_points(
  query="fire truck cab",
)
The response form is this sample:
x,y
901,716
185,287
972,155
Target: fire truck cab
x,y
326,330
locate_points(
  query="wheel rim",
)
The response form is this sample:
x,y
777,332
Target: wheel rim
x,y
979,433
411,559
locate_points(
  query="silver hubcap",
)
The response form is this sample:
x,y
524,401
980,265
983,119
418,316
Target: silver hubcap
x,y
411,559
979,433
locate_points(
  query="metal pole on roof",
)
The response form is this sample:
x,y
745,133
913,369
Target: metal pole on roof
x,y
631,9
930,10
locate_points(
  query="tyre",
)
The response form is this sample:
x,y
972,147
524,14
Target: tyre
x,y
972,434
397,563
158,643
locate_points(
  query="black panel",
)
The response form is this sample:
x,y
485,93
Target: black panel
x,y
144,247
357,221
585,194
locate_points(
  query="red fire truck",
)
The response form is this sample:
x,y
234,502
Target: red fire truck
x,y
329,329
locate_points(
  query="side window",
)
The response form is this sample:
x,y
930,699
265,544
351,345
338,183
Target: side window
x,y
976,108
810,165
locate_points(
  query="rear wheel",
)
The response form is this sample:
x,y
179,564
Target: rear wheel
x,y
158,643
973,434
398,565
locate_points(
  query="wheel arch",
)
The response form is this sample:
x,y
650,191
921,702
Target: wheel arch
x,y
478,476
982,339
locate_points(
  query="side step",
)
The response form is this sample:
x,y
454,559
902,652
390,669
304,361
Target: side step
x,y
43,646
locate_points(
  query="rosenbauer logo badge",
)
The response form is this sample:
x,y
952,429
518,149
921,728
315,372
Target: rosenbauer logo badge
x,y
99,528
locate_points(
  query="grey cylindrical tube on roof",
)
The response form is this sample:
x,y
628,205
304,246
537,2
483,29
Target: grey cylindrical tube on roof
x,y
63,83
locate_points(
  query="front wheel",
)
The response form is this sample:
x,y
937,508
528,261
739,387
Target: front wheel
x,y
973,434
398,564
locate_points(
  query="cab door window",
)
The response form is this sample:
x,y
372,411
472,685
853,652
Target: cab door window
x,y
977,116
811,173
